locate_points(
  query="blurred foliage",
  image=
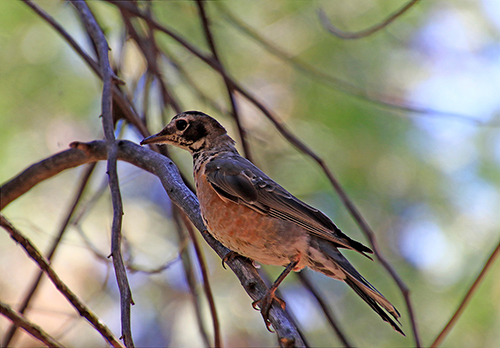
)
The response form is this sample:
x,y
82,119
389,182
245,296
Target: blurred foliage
x,y
427,183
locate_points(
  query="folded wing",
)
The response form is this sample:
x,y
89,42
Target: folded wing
x,y
238,180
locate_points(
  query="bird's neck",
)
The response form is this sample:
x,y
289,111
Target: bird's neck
x,y
205,155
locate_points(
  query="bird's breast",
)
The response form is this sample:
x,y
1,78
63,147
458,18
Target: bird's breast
x,y
257,236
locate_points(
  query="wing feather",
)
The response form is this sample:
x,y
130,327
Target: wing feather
x,y
238,180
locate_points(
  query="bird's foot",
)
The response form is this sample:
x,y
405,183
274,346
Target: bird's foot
x,y
228,257
264,305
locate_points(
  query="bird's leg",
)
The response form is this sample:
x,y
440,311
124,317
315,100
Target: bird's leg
x,y
266,301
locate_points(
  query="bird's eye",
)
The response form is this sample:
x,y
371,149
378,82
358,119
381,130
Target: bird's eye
x,y
181,124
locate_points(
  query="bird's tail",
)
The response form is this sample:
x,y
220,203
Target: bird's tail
x,y
339,268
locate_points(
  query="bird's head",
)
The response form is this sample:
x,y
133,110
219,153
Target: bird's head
x,y
193,131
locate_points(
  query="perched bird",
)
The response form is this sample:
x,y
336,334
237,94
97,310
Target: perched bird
x,y
255,217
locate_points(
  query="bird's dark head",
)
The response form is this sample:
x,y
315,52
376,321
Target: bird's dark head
x,y
193,131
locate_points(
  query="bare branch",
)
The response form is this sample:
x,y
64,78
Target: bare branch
x,y
336,83
190,274
180,195
33,329
229,87
304,279
39,172
446,330
42,262
206,281
150,52
366,32
119,98
53,248
112,152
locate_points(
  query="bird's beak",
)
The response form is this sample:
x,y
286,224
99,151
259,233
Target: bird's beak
x,y
158,138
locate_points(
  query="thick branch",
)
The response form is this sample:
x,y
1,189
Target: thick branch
x,y
180,195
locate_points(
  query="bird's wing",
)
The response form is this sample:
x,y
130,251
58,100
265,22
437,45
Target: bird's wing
x,y
238,180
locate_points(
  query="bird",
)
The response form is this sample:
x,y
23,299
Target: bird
x,y
255,217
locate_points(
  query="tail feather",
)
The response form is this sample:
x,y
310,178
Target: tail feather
x,y
341,269
374,304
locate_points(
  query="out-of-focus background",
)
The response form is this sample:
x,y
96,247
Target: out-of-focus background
x,y
425,175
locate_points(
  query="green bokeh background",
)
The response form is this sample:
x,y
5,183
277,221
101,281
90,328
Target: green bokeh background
x,y
414,194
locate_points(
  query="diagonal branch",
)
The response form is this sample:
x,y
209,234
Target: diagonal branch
x,y
346,35
42,262
53,248
167,172
334,82
206,281
34,330
229,87
304,279
119,98
446,330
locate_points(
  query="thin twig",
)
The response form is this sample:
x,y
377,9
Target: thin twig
x,y
135,269
206,281
52,250
229,87
188,80
150,52
42,262
102,47
304,279
446,330
190,274
335,82
125,106
34,330
366,32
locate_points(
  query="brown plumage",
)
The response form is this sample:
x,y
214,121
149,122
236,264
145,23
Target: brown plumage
x,y
255,217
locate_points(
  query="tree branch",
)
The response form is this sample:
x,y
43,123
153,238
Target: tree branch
x,y
43,264
346,35
180,195
229,87
206,281
304,279
52,250
334,82
33,329
446,330
112,152
190,273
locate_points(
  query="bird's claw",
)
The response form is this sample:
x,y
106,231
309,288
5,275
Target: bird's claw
x,y
264,305
229,256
